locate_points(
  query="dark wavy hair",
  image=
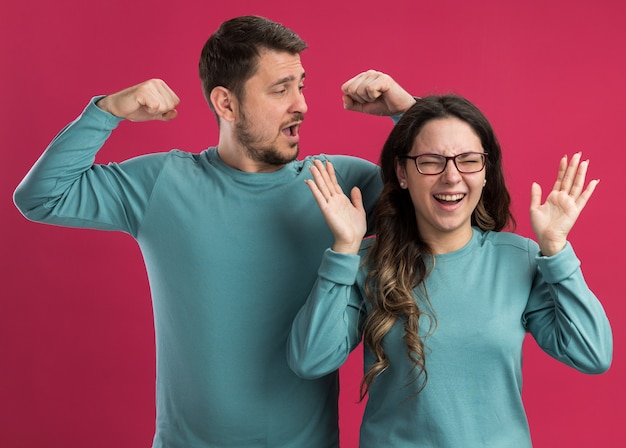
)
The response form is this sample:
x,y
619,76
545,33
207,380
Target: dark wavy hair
x,y
396,259
230,56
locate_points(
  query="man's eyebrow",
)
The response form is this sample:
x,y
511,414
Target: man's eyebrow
x,y
287,79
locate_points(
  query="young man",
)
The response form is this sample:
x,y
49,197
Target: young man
x,y
231,237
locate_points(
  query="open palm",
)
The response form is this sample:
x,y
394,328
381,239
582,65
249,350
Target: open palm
x,y
345,216
553,220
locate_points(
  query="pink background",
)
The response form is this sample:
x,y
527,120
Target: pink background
x,y
76,333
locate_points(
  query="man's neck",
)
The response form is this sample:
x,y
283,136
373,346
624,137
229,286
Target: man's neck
x,y
236,157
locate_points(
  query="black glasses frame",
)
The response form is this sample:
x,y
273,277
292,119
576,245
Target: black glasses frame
x,y
447,158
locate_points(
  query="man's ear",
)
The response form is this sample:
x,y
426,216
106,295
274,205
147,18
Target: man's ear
x,y
224,103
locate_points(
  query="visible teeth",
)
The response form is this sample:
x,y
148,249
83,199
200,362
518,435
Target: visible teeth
x,y
449,197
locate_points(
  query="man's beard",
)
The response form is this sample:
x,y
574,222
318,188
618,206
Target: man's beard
x,y
267,155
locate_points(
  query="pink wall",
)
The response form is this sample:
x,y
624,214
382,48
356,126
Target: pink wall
x,y
76,335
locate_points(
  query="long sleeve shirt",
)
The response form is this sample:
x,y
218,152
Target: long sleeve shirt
x,y
230,257
484,299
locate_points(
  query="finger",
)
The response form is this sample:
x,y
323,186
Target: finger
x,y
149,102
373,89
579,179
157,111
317,194
581,201
318,179
353,85
157,99
327,174
323,179
356,95
349,104
356,198
570,173
560,174
169,99
346,86
330,168
152,105
535,196
169,115
366,87
317,185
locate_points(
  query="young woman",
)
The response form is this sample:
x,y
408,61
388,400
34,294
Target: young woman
x,y
442,297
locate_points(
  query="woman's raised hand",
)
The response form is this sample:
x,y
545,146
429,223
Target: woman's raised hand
x,y
553,220
345,216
